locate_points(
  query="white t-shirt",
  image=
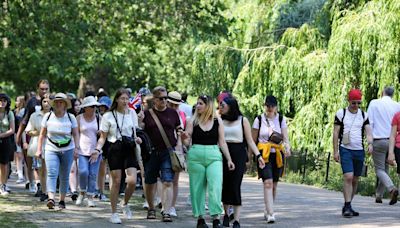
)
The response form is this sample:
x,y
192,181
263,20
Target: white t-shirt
x,y
265,131
35,122
127,123
59,129
353,123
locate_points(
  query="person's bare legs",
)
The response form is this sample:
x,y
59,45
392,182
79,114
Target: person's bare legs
x,y
268,196
130,183
116,181
175,189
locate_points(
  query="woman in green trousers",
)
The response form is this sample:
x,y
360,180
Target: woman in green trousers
x,y
205,132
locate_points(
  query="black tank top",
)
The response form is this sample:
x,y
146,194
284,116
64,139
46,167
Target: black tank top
x,y
206,137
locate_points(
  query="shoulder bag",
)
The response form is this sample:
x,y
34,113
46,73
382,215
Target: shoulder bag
x,y
177,157
275,137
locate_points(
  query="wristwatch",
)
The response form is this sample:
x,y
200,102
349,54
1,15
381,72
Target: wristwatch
x,y
258,156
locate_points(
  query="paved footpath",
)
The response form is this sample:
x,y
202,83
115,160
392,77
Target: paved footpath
x,y
296,206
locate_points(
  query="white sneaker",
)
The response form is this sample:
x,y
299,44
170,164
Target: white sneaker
x,y
80,199
172,212
115,219
3,191
145,205
20,181
103,197
8,189
271,218
32,188
126,210
91,203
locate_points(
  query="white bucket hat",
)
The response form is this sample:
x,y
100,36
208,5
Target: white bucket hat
x,y
63,97
89,101
174,97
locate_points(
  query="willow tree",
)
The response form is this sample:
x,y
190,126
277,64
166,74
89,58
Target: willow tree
x,y
307,70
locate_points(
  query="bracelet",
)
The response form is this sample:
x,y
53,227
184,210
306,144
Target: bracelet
x,y
98,150
258,156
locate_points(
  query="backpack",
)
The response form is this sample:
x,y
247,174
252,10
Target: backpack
x,y
342,126
146,146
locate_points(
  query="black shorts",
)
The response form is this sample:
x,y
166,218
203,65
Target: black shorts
x,y
397,157
105,149
271,170
120,157
7,148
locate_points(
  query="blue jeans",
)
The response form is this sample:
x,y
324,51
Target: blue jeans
x,y
58,163
88,174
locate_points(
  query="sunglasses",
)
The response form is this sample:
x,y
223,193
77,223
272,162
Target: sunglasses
x,y
162,98
204,97
356,102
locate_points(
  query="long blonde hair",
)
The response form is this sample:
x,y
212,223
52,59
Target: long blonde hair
x,y
208,114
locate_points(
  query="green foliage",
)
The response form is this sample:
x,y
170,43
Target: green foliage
x,y
134,43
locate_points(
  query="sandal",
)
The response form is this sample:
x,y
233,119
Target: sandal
x,y
151,214
166,218
50,203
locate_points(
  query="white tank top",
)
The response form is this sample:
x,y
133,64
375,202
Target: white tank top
x,y
234,133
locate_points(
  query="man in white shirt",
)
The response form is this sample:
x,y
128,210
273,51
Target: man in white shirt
x,y
381,112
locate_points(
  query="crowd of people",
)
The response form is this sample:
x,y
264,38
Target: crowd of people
x,y
61,143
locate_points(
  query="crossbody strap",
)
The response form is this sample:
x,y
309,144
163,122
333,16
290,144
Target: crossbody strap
x,y
116,120
160,128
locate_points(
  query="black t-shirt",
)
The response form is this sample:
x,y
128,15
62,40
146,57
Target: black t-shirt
x,y
169,119
206,137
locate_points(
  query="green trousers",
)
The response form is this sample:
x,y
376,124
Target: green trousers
x,y
205,172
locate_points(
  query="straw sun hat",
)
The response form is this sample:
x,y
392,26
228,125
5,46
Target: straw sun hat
x,y
62,97
174,97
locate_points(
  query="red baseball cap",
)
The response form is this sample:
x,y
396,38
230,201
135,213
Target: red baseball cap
x,y
355,95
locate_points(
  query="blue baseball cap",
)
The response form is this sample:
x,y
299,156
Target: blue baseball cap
x,y
106,101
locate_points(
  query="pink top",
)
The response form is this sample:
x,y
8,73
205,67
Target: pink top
x,y
396,122
183,118
88,135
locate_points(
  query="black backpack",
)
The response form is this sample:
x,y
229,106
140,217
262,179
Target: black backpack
x,y
146,146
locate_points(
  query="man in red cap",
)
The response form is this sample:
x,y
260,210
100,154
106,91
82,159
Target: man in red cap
x,y
350,125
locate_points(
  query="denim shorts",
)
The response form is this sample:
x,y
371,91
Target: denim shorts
x,y
158,165
352,161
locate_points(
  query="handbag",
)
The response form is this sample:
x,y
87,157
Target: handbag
x,y
275,137
32,147
177,157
